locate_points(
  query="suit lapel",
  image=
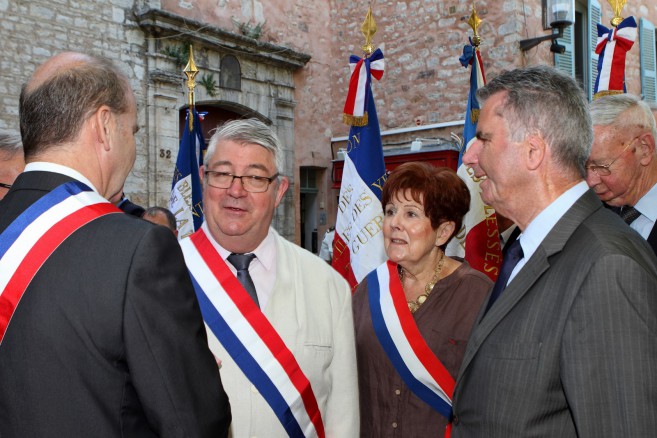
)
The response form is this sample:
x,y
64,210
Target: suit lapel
x,y
529,274
652,238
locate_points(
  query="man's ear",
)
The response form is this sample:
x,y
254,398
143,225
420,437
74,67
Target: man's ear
x,y
646,148
535,149
283,184
101,121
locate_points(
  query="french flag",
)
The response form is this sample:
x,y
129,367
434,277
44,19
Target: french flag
x,y
480,238
358,242
186,202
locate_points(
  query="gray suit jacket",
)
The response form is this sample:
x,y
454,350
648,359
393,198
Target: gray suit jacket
x,y
570,347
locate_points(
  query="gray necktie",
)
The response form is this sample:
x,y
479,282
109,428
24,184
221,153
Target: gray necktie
x,y
629,213
241,263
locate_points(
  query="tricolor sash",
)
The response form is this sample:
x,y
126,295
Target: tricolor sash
x,y
35,234
400,338
251,340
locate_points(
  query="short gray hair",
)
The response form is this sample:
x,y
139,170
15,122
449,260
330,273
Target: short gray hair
x,y
541,100
10,144
607,110
248,131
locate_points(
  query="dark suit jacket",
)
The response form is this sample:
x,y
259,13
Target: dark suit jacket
x,y
569,349
108,339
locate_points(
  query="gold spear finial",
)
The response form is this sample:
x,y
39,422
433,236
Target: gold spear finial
x,y
191,71
368,29
474,23
617,6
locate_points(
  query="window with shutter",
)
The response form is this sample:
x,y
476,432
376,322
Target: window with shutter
x,y
595,17
648,67
565,61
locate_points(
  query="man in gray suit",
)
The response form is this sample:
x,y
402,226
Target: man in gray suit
x,y
568,349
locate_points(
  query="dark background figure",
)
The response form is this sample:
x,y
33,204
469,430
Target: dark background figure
x,y
568,348
161,216
108,338
129,207
622,167
12,161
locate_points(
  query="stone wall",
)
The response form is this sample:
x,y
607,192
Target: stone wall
x,y
33,30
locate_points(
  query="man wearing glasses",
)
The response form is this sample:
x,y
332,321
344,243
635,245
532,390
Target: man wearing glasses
x,y
11,160
622,167
278,318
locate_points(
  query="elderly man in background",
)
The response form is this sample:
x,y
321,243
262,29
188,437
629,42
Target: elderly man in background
x,y
565,344
12,161
278,317
622,167
101,334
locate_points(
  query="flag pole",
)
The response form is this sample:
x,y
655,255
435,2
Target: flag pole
x,y
191,71
186,202
358,239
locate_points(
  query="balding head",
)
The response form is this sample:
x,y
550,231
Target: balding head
x,y
62,94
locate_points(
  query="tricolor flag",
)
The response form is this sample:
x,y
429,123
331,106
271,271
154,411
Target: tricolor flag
x,y
358,242
186,201
612,47
480,237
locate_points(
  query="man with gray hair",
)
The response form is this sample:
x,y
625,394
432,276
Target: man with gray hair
x,y
11,159
101,334
278,317
622,167
564,346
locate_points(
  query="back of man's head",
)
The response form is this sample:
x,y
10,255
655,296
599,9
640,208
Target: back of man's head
x,y
62,94
11,159
161,216
10,144
542,101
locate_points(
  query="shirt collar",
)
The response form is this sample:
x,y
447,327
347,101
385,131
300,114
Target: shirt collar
x,y
647,205
44,166
265,252
542,224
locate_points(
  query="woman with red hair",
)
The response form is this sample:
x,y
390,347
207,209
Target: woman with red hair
x,y
413,315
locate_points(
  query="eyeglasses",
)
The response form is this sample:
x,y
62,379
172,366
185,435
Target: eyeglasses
x,y
6,186
603,170
250,183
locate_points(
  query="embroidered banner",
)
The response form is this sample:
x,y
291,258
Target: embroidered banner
x,y
358,240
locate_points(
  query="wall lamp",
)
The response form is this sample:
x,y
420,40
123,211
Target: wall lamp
x,y
557,15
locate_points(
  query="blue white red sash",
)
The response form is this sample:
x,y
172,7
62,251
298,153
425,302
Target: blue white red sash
x,y
399,336
251,340
33,236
